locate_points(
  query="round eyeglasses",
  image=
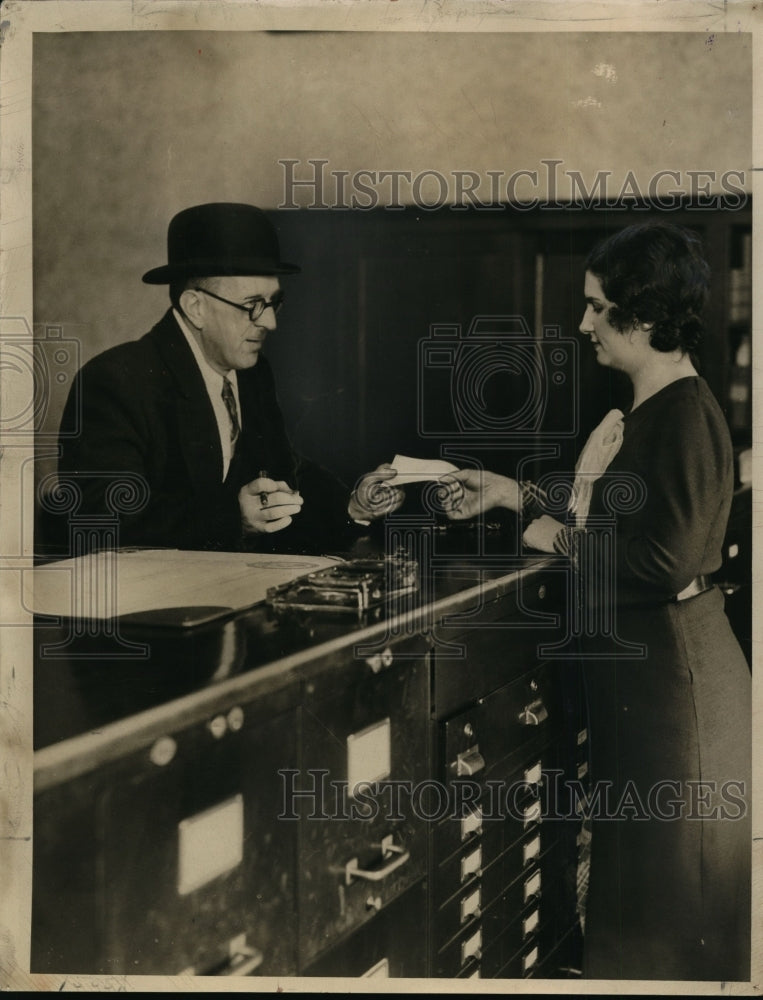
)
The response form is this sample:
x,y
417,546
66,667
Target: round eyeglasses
x,y
256,309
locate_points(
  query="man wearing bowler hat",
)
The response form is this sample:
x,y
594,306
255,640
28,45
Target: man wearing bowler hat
x,y
190,412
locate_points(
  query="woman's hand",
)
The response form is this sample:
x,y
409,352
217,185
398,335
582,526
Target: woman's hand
x,y
373,497
473,491
541,532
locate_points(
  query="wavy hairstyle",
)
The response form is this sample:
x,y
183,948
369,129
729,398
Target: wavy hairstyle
x,y
654,273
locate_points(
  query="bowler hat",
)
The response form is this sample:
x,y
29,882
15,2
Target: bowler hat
x,y
221,238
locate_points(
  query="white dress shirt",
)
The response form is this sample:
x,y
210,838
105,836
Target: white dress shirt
x,y
214,383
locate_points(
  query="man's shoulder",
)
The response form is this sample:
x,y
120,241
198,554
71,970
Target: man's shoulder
x,y
134,358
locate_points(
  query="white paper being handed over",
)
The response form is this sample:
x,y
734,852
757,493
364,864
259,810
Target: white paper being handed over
x,y
418,470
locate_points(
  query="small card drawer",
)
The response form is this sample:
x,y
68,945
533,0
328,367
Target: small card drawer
x,y
462,953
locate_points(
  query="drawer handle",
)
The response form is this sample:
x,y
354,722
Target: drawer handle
x,y
529,959
242,960
530,923
469,762
534,774
472,948
471,864
532,813
397,858
471,823
532,887
534,713
246,960
470,906
531,850
472,969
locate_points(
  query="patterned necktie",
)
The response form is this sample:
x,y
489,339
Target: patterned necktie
x,y
230,404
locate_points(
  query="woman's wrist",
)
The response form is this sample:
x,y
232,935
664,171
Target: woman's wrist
x,y
531,501
567,542
504,492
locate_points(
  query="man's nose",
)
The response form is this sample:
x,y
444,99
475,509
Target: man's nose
x,y
267,318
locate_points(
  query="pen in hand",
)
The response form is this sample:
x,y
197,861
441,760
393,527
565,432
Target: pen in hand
x,y
263,495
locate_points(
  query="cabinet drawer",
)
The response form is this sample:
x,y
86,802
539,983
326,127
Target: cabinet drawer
x,y
504,802
496,934
528,902
526,962
478,854
463,909
505,888
391,944
506,727
492,962
195,867
462,953
499,649
463,869
454,897
455,831
360,847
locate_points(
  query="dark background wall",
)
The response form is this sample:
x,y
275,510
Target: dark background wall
x,y
131,127
365,382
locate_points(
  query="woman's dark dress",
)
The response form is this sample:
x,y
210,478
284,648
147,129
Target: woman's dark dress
x,y
670,898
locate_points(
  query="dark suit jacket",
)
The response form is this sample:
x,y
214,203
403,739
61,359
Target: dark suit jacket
x,y
140,411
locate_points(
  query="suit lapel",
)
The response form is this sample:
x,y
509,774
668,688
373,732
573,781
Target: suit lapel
x,y
199,437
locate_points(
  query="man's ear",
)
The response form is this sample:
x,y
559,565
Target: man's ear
x,y
191,307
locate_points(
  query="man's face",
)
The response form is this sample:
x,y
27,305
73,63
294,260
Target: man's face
x,y
228,338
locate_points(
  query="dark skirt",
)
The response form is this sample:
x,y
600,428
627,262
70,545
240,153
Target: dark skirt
x,y
670,742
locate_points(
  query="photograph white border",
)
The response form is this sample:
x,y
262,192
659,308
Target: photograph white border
x,y
18,23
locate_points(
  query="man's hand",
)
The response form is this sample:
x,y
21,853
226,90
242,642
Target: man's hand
x,y
540,534
470,492
267,506
373,498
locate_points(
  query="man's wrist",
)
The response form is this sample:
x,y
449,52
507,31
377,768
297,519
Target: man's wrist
x,y
356,513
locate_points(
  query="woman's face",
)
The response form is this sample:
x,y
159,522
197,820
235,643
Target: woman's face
x,y
613,349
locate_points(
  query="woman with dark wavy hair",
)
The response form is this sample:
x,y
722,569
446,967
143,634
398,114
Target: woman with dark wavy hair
x,y
670,728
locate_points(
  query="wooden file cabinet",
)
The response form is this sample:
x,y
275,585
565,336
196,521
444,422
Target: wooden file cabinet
x,y
217,831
